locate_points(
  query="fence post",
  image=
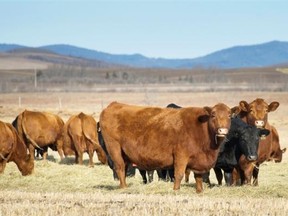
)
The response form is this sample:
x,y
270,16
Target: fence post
x,y
19,101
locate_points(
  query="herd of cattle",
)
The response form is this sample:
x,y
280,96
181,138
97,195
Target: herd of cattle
x,y
174,139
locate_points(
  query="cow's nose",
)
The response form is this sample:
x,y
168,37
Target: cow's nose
x,y
259,123
252,157
222,131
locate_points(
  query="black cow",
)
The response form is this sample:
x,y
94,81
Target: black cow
x,y
242,139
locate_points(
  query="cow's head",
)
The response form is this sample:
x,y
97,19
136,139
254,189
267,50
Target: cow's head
x,y
277,155
219,120
256,112
27,166
249,138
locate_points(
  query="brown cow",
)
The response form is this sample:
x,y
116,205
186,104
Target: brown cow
x,y
80,135
12,148
40,130
157,138
256,113
276,152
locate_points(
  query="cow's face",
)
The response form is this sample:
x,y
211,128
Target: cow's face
x,y
249,138
277,155
27,167
219,119
257,111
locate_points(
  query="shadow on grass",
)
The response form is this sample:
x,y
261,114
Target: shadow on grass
x,y
193,185
71,161
112,187
106,187
50,158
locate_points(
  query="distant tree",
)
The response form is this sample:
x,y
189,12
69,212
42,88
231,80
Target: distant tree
x,y
107,75
114,74
125,76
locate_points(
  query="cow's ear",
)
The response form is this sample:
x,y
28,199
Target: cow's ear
x,y
263,132
235,111
283,150
208,109
205,118
273,106
244,106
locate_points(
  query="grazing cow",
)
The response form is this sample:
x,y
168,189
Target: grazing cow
x,y
12,148
256,113
40,130
157,138
80,135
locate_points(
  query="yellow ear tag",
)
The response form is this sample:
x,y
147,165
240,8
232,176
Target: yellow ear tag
x,y
263,137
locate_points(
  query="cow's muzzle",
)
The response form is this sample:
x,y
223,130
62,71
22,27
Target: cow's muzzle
x,y
252,157
222,132
259,123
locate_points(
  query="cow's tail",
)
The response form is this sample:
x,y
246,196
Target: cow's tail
x,y
103,145
27,135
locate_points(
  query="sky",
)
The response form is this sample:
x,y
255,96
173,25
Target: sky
x,y
153,28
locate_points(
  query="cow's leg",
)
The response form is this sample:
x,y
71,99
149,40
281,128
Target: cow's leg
x,y
45,153
150,176
206,178
76,157
255,175
179,167
117,158
59,144
162,174
120,170
115,175
2,166
31,151
171,174
143,174
78,147
248,172
90,152
235,176
228,178
80,158
219,175
199,184
187,174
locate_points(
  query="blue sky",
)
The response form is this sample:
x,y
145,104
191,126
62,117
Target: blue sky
x,y
159,28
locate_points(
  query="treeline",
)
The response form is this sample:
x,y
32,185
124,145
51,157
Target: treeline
x,y
63,77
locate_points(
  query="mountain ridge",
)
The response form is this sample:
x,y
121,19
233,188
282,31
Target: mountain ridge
x,y
257,55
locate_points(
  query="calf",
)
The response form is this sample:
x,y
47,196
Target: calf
x,y
242,139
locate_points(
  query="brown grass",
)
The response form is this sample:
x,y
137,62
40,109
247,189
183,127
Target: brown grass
x,y
68,189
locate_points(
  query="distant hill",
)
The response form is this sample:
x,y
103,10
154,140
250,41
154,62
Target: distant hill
x,y
8,47
20,57
261,55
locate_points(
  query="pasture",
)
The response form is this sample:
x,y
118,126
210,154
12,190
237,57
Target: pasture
x,y
68,189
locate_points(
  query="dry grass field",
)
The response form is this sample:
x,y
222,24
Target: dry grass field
x,y
68,189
